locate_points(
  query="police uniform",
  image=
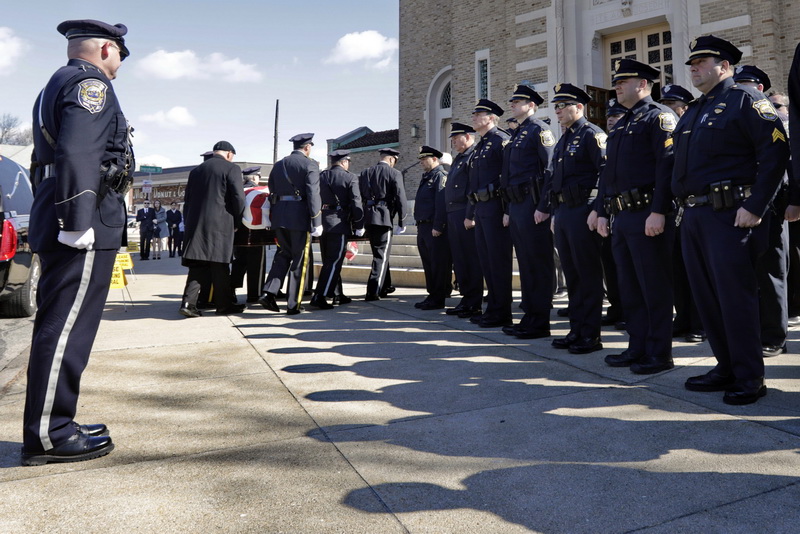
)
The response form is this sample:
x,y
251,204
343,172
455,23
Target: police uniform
x,y
527,161
430,214
773,265
296,207
462,241
633,185
249,260
383,195
578,159
174,218
342,213
145,217
492,239
740,168
82,168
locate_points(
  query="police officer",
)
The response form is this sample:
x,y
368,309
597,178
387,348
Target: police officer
x,y
634,186
296,218
77,225
383,194
248,260
430,214
146,217
773,265
341,215
725,191
528,159
578,159
485,214
462,241
676,98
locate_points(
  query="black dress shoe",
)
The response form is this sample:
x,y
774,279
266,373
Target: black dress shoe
x,y
696,336
341,299
626,359
318,301
294,311
370,298
586,345
252,300
470,312
388,290
231,310
565,342
495,322
620,325
77,448
92,430
420,304
455,311
650,365
190,311
771,351
563,312
510,330
281,295
609,320
711,381
531,334
476,319
745,392
267,300
431,305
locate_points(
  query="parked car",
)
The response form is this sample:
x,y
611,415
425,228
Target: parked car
x,y
19,266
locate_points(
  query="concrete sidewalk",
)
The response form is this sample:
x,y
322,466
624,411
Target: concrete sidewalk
x,y
378,417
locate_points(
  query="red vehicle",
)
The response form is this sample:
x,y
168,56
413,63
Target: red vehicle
x,y
19,266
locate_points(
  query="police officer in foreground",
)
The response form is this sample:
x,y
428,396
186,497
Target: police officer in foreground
x,y
725,191
462,242
383,195
430,214
634,188
296,218
485,214
77,225
342,215
578,159
773,265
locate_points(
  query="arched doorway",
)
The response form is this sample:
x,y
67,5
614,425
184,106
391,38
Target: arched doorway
x,y
439,110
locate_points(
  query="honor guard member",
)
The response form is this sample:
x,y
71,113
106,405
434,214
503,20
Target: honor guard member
x,y
342,214
578,159
725,191
634,187
485,214
528,161
462,240
383,194
772,268
296,217
146,217
430,214
249,260
676,98
82,167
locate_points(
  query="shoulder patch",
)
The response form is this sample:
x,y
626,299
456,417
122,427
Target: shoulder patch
x,y
92,95
666,121
765,109
601,138
506,141
547,138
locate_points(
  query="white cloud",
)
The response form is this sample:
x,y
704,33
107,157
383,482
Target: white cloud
x,y
186,64
155,160
176,117
374,49
11,48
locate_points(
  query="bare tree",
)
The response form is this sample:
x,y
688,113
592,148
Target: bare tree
x,y
22,137
8,127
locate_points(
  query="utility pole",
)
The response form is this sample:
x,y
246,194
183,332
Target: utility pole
x,y
275,142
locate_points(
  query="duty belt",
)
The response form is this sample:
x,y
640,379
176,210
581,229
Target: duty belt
x,y
424,221
371,203
483,195
48,171
572,196
332,207
290,198
632,200
721,195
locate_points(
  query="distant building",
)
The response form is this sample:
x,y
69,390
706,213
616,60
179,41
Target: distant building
x,y
364,145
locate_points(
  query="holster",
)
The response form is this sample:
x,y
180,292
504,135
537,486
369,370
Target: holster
x,y
721,195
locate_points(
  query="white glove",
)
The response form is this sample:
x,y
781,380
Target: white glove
x,y
399,230
317,231
77,239
360,232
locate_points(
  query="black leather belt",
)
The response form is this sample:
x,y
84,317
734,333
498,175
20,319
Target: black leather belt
x,y
633,200
424,221
716,197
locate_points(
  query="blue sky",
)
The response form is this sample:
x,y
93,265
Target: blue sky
x,y
202,71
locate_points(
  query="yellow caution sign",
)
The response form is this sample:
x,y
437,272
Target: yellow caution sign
x,y
118,279
124,260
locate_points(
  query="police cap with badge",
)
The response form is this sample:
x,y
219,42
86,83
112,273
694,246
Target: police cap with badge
x,y
675,92
751,73
426,151
710,46
338,155
566,92
458,128
88,28
251,170
525,92
301,140
389,152
615,108
630,68
485,105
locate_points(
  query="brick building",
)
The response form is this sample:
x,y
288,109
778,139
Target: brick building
x,y
452,53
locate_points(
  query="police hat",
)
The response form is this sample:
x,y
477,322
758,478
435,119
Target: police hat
x,y
74,29
426,151
751,73
485,105
300,140
336,155
389,152
250,170
224,146
526,92
207,154
710,46
675,92
568,92
458,128
615,108
629,68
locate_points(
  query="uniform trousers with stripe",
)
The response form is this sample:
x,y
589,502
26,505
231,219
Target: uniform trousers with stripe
x,y
332,248
380,240
71,296
292,258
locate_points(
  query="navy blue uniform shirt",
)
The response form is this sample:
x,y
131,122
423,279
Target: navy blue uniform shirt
x,y
579,156
340,187
530,154
486,164
455,191
429,204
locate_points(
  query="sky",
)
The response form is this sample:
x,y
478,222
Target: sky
x,y
203,71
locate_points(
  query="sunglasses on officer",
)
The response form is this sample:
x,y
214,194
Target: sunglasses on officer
x,y
562,105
